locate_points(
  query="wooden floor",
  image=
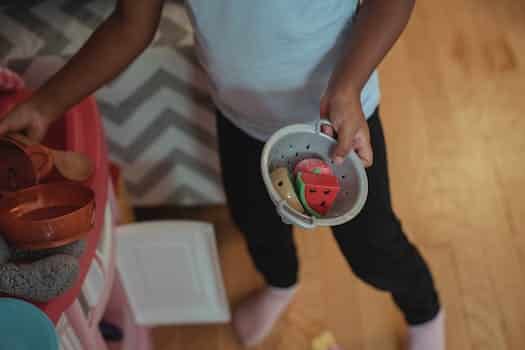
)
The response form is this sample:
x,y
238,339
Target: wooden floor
x,y
454,111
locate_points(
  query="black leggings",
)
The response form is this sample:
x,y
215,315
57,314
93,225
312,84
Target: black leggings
x,y
373,243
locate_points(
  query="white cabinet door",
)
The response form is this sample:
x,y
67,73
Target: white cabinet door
x,y
67,336
95,282
170,271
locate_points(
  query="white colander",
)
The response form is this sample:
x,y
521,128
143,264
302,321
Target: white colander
x,y
300,141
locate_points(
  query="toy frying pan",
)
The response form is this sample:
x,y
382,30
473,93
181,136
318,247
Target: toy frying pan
x,y
47,215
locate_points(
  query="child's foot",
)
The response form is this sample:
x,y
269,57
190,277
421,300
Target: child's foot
x,y
429,335
254,318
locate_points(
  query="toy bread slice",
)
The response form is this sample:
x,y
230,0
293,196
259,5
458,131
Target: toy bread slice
x,y
283,185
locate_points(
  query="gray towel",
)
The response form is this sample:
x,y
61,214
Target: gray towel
x,y
44,275
75,249
41,280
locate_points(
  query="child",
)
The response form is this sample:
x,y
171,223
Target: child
x,y
272,63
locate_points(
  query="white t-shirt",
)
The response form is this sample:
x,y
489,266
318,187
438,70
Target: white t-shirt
x,y
269,61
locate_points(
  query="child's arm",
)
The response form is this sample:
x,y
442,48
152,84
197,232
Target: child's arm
x,y
378,24
114,45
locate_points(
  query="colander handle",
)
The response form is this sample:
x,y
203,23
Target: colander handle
x,y
319,125
291,217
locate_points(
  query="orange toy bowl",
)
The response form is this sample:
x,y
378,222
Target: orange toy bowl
x,y
47,215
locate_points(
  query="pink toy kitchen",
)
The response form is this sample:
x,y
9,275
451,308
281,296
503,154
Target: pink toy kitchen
x,y
118,291
102,284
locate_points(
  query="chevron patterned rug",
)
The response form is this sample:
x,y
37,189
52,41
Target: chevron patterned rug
x,y
159,120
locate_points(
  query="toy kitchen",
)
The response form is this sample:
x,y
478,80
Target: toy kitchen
x,y
75,277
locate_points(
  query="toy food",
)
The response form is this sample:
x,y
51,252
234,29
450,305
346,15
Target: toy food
x,y
282,183
313,165
317,193
325,341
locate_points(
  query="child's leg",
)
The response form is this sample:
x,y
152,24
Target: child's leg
x,y
269,241
379,252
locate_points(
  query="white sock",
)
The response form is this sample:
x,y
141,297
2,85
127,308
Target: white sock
x,y
254,318
429,335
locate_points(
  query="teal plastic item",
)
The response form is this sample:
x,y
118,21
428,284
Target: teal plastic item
x,y
25,327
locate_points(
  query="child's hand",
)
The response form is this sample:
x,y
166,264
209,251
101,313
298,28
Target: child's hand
x,y
10,81
346,115
25,119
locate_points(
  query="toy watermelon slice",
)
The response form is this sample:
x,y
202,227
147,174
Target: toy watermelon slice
x,y
317,193
314,166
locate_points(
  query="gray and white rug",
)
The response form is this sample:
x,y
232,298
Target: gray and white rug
x,y
158,118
